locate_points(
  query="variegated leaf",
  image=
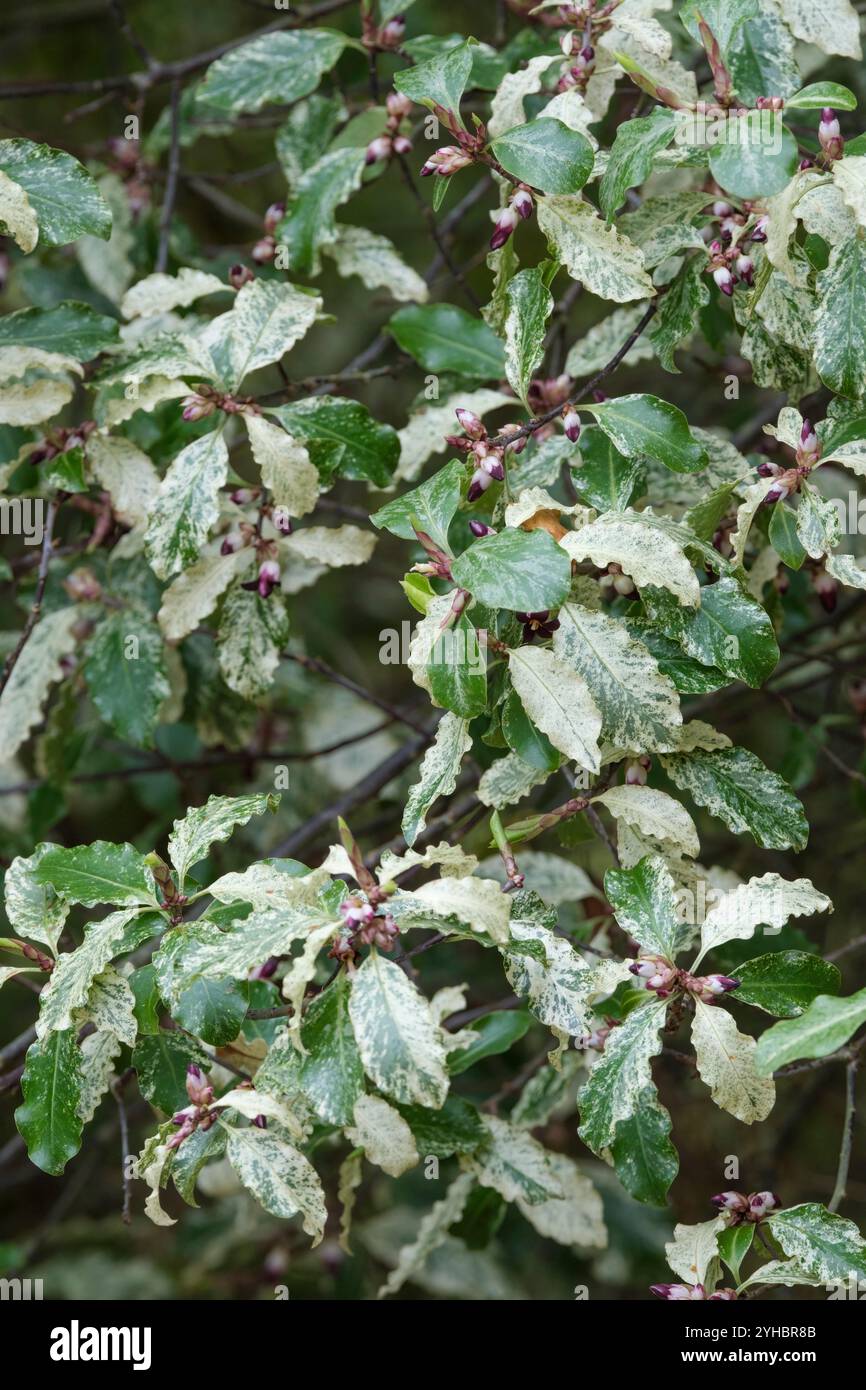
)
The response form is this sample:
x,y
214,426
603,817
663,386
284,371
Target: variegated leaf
x,y
396,1035
725,1059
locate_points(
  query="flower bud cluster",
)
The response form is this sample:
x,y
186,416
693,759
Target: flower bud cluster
x,y
61,440
695,1293
196,1115
830,135
581,63
265,248
613,582
391,141
489,458
664,979
739,1208
520,205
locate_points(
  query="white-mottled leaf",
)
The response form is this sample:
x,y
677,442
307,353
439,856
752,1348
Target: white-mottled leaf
x,y
515,1165
621,1075
269,317
99,1052
431,1233
558,700
769,901
75,971
439,770
396,1034
192,836
187,504
285,464
34,909
645,550
576,1218
253,632
194,593
384,1135
36,670
725,1059
606,262
278,1175
110,1006
158,293
125,472
377,263
653,813
17,215
693,1252
477,903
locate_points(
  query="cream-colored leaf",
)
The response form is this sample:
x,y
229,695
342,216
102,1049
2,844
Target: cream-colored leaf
x,y
264,885
847,570
515,1165
349,1179
746,513
299,975
506,108
99,1052
285,464
639,544
17,215
537,499
110,1006
396,1034
440,768
125,472
443,856
477,902
654,813
278,1175
693,1249
576,1218
35,671
725,1059
558,700
769,901
605,262
334,546
377,263
431,1233
831,25
158,293
507,780
384,1135
194,593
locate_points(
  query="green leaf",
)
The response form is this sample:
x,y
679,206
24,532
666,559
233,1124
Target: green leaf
x,y
74,972
785,983
818,524
438,773
679,308
212,823
306,133
213,1010
525,571
840,323
632,156
757,158
819,94
827,1246
332,1073
605,478
645,906
62,193
277,67
782,535
730,630
430,507
439,82
201,1147
396,1035
618,1081
530,305
455,1129
522,736
457,670
645,1160
145,989
309,224
48,1119
160,1061
546,154
651,428
187,504
126,675
69,327
688,675
342,438
826,1025
497,1032
97,873
734,1245
443,338
733,784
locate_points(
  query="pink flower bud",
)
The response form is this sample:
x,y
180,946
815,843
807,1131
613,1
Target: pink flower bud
x,y
197,407
274,215
731,1201
494,467
809,442
760,1203
471,423
829,128
260,1122
635,775
724,279
402,144
759,231
269,577
398,105
450,159
380,148
197,1088
520,442
805,163
263,251
243,496
522,203
827,589
505,224
679,1293
722,209
393,33
722,1296
571,423
240,275
720,984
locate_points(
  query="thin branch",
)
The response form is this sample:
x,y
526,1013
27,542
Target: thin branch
x,y
321,668
117,1092
847,1135
35,611
430,218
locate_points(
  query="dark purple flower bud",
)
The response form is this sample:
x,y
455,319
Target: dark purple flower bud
x,y
679,1293
232,541
266,969
260,1122
240,275
269,577
494,468
759,231
805,163
522,203
478,483
731,1201
505,224
478,528
281,520
724,279
760,1203
721,984
745,267
571,423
